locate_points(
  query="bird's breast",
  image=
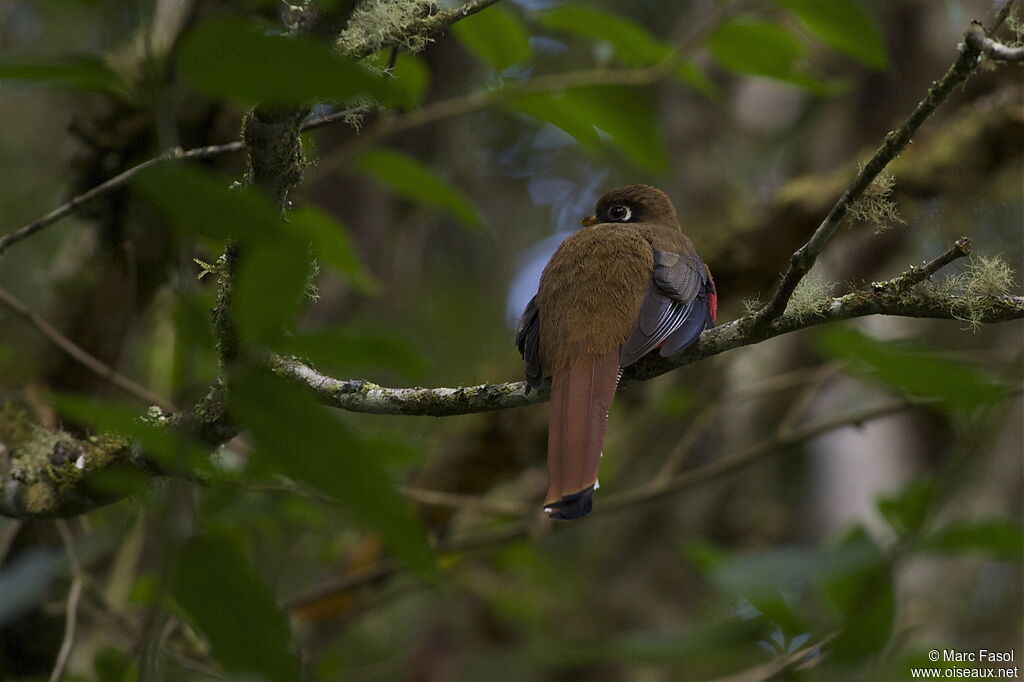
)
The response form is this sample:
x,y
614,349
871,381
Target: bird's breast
x,y
590,294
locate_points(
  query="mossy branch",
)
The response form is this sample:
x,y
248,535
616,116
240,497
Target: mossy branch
x,y
895,141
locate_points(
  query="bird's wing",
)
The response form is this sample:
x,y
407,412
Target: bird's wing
x,y
528,341
675,308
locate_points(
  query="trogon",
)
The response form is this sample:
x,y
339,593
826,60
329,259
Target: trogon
x,y
627,284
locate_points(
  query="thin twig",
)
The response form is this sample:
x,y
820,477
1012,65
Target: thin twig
x,y
74,594
994,49
895,141
915,275
80,355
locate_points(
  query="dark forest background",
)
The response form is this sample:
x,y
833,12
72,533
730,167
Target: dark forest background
x,y
854,495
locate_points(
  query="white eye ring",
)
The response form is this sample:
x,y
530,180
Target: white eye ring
x,y
620,213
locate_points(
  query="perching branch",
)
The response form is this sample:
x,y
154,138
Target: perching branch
x,y
803,259
977,39
896,297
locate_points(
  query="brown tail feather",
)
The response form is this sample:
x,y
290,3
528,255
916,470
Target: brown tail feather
x,y
580,398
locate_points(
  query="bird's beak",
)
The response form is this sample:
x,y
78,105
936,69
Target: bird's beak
x,y
589,220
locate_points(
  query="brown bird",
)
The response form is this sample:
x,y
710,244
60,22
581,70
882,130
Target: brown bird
x,y
628,283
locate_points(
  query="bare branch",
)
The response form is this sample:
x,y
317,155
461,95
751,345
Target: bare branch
x,y
803,259
81,356
977,39
74,594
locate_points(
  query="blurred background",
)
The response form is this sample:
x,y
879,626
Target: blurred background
x,y
873,512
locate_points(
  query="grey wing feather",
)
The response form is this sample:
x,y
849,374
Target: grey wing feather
x,y
528,342
674,310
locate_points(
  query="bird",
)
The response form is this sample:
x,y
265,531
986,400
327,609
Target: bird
x,y
627,284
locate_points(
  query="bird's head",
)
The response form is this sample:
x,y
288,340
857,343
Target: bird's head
x,y
633,204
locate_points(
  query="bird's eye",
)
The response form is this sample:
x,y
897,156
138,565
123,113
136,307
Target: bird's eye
x,y
619,213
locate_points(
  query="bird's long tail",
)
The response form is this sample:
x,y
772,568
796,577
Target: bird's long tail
x,y
580,398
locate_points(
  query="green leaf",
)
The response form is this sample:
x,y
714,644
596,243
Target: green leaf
x,y
843,25
414,181
201,202
269,287
957,385
77,73
410,78
347,350
300,439
496,36
331,243
1000,537
633,43
238,60
622,114
226,599
906,512
761,48
864,597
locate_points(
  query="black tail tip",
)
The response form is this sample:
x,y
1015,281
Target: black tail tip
x,y
572,506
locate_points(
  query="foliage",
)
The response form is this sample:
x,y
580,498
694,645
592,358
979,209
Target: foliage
x,y
263,532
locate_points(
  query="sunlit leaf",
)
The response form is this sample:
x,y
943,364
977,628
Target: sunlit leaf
x,y
77,73
269,287
297,438
844,25
238,60
348,350
957,385
497,36
1000,537
415,181
761,48
234,608
633,43
623,115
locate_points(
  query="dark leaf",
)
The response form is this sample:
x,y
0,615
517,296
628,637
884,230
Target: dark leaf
x,y
414,181
633,43
269,287
237,60
1002,538
761,48
906,512
298,438
77,73
226,599
497,36
622,114
863,597
957,385
844,25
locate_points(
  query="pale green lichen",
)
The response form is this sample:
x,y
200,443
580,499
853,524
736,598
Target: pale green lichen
x,y
380,23
751,304
812,296
876,206
976,289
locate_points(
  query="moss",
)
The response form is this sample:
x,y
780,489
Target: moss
x,y
976,289
379,23
875,205
812,296
48,470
